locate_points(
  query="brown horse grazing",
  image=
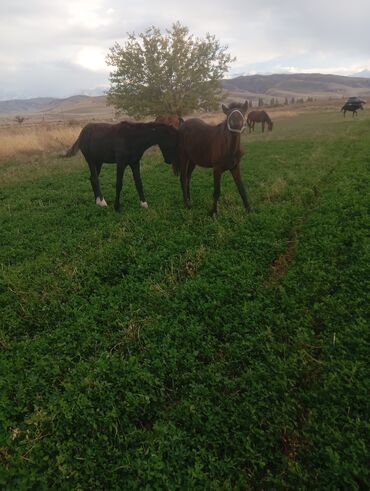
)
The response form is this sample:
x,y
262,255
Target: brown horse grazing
x,y
259,117
124,144
217,147
171,119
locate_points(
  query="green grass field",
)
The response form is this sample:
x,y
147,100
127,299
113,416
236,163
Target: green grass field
x,y
162,349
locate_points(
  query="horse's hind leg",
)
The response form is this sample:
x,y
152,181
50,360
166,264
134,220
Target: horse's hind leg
x,y
95,168
119,182
189,173
239,184
138,183
184,182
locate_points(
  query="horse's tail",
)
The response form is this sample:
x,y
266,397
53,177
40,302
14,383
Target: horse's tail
x,y
73,150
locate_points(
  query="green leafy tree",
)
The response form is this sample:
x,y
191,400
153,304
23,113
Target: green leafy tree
x,y
172,72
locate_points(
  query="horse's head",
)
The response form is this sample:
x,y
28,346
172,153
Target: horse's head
x,y
168,143
270,125
235,116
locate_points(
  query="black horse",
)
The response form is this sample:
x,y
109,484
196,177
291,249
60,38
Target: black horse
x,y
124,144
352,105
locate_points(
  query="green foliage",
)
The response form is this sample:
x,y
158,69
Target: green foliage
x,y
161,349
172,72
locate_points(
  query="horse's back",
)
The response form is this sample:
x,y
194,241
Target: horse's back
x,y
98,141
170,120
257,116
197,127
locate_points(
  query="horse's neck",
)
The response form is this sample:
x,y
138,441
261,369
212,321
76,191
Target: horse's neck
x,y
232,138
151,139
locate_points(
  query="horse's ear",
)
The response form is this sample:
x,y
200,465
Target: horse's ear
x,y
224,108
245,105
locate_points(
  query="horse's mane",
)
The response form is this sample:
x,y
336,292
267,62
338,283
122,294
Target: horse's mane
x,y
149,125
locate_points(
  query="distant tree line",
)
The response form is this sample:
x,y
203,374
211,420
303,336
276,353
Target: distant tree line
x,y
276,101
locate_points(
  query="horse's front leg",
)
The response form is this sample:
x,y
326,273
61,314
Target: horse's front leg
x,y
135,167
217,173
119,182
235,171
263,126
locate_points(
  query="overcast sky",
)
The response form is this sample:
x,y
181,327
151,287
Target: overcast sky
x,y
57,48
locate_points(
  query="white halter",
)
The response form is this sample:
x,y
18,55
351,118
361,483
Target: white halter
x,y
228,122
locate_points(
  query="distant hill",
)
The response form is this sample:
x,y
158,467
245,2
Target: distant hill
x,y
298,85
42,104
78,107
25,105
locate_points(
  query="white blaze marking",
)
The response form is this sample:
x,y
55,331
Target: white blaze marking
x,y
144,204
101,202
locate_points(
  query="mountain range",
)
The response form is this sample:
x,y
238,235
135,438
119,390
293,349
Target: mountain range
x,y
280,86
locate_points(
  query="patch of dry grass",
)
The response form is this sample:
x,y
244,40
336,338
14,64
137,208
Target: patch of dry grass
x,y
26,151
36,138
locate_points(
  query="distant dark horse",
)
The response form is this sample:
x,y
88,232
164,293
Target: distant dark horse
x,y
171,119
124,144
259,117
351,107
217,147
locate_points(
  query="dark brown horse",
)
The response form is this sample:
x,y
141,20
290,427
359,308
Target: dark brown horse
x,y
259,117
171,119
124,144
217,147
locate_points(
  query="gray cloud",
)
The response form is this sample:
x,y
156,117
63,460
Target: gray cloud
x,y
57,48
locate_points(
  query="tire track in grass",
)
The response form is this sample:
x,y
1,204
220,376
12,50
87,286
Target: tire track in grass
x,y
317,352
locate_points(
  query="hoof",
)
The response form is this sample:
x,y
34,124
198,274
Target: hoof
x,y
212,213
101,202
144,204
